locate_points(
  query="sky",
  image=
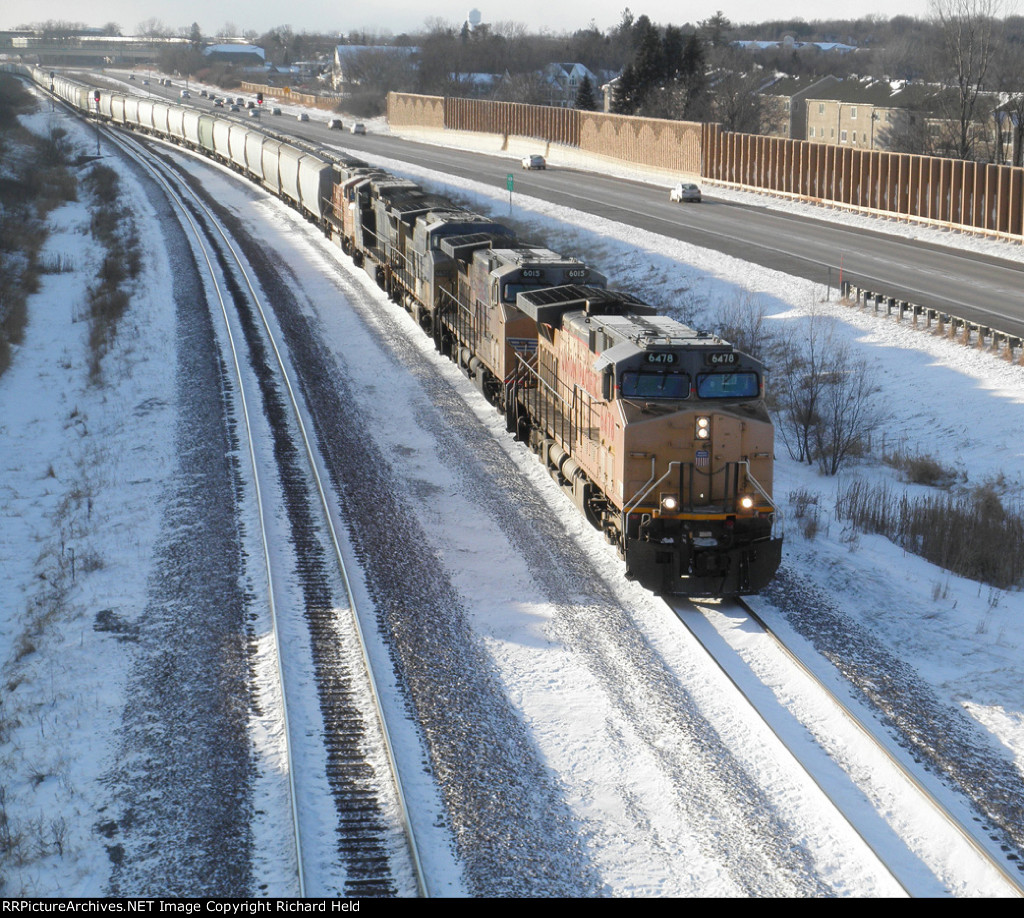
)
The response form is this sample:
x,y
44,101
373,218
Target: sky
x,y
405,16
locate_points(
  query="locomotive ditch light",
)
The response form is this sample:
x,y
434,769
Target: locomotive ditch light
x,y
746,502
669,503
703,429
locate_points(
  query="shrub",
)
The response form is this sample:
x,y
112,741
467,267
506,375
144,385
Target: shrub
x,y
806,511
921,469
112,225
103,183
973,535
823,396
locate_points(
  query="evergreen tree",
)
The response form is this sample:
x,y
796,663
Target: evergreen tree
x,y
692,81
624,98
672,50
585,98
714,30
648,61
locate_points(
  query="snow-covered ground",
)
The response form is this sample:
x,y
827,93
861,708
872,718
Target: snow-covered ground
x,y
82,468
956,404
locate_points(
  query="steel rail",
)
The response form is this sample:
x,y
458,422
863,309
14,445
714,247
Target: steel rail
x,y
1013,883
1016,884
175,197
786,745
325,505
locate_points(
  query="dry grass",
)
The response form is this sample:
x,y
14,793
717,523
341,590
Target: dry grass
x,y
972,534
806,511
36,179
111,224
921,469
26,838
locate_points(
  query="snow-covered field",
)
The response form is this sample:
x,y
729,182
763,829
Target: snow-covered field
x,y
82,468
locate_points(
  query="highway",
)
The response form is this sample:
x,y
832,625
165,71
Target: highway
x,y
977,287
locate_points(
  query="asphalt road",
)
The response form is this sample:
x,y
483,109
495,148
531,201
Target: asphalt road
x,y
986,290
982,289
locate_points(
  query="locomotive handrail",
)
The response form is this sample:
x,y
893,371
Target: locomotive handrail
x,y
778,515
629,506
566,415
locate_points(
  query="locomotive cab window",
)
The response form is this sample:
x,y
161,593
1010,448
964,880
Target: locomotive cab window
x,y
654,384
510,291
728,385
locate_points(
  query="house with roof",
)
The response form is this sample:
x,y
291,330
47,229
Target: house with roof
x,y
476,85
782,102
900,117
562,83
851,113
791,44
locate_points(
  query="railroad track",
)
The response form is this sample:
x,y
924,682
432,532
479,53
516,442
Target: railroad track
x,y
373,844
890,796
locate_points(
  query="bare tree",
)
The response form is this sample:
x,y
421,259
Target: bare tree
x,y
528,88
743,322
848,412
153,28
736,100
906,132
797,383
822,395
1009,71
383,69
968,35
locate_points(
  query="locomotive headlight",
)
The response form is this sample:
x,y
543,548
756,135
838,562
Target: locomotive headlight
x,y
747,502
669,503
703,431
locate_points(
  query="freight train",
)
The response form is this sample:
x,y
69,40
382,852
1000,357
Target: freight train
x,y
658,433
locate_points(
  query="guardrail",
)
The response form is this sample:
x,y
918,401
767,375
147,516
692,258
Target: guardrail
x,y
945,324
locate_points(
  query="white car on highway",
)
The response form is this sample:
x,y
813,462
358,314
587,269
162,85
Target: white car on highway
x,y
685,191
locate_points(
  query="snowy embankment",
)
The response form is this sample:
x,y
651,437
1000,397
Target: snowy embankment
x,y
83,468
959,405
957,636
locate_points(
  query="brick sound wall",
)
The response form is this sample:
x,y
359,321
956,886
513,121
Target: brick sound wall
x,y
416,111
671,145
980,197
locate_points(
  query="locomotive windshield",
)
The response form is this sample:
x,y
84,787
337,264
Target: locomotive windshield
x,y
651,384
727,385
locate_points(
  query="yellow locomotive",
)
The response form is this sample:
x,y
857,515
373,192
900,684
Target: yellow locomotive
x,y
659,433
